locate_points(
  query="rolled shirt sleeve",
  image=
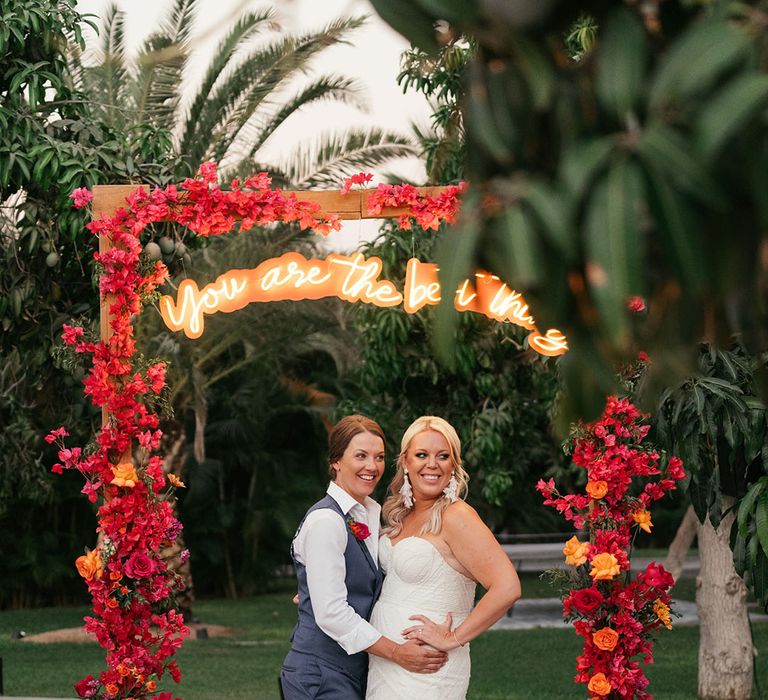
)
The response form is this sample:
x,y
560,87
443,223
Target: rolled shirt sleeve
x,y
320,547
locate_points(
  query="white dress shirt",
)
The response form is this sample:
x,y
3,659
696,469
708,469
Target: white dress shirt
x,y
319,545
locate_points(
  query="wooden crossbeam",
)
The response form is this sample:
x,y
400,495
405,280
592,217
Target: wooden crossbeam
x,y
107,199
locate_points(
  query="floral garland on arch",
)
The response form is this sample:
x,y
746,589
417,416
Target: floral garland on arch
x,y
131,587
613,612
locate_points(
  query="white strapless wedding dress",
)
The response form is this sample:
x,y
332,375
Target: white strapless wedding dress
x,y
419,581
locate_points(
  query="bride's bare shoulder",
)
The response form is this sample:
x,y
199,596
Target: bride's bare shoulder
x,y
461,515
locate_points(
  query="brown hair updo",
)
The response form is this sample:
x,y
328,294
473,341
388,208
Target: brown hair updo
x,y
343,432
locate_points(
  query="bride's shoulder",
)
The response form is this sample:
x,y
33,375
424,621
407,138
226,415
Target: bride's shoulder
x,y
461,514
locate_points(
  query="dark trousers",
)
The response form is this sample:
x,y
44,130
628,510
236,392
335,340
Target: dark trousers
x,y
308,677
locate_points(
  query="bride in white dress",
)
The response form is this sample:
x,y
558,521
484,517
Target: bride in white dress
x,y
434,549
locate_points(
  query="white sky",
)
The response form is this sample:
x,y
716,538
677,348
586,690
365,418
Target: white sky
x,y
373,58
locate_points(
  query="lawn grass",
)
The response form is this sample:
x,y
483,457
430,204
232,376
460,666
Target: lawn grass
x,y
506,664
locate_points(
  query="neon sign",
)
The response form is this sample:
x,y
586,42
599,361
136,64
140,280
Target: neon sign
x,y
351,278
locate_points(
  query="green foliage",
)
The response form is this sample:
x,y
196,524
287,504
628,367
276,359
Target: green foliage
x,y
497,394
439,78
50,144
719,427
643,133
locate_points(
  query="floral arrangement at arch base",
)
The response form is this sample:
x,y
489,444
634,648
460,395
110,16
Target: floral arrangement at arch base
x,y
615,613
131,587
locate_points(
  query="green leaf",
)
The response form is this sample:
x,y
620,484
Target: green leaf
x,y
582,162
548,207
759,578
706,50
739,548
613,244
482,127
699,491
668,152
621,62
761,521
454,11
728,111
676,222
747,504
455,259
537,70
414,23
515,257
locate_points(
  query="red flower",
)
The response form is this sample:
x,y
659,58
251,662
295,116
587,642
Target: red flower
x,y
657,576
139,565
636,304
586,600
87,687
359,530
359,179
71,334
55,435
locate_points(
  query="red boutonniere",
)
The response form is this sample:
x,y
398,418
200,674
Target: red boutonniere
x,y
359,530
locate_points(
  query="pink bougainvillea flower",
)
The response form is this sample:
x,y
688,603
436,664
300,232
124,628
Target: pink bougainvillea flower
x,y
358,179
81,197
56,434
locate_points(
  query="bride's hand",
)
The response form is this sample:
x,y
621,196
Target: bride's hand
x,y
428,632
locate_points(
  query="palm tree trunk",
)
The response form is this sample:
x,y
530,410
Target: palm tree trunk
x,y
726,652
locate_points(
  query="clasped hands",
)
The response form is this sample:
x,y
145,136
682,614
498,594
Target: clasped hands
x,y
438,636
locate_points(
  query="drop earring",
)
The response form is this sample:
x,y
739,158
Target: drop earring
x,y
406,491
451,491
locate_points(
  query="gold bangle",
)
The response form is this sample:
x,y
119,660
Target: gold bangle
x,y
457,639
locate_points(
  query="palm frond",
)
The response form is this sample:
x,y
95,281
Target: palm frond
x,y
255,79
113,67
158,81
332,157
245,28
179,21
161,63
329,87
75,67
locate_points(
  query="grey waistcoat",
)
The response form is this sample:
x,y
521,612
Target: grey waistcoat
x,y
363,580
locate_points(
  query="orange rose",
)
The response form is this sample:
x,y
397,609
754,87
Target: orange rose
x,y
599,684
89,566
123,670
112,689
151,685
643,520
604,567
575,551
111,603
605,638
597,489
125,475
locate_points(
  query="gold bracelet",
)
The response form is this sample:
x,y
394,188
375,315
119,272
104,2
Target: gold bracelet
x,y
457,639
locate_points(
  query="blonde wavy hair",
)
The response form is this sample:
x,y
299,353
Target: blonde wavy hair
x,y
394,510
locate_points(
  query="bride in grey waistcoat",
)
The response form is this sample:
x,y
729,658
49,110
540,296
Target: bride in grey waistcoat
x,y
335,552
